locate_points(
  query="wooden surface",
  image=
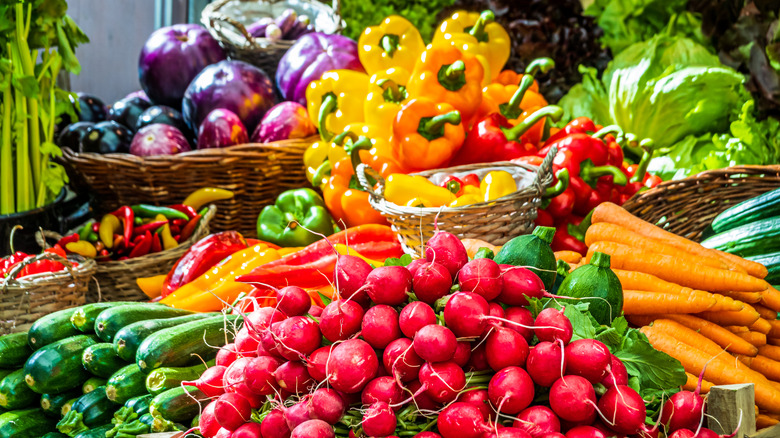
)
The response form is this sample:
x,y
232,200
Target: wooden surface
x,y
769,432
729,406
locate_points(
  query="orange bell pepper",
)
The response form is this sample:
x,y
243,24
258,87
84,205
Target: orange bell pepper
x,y
511,100
427,134
151,286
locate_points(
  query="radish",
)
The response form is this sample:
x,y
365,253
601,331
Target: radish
x,y
261,319
427,434
478,398
505,348
435,343
224,433
296,414
274,425
588,358
421,399
293,377
482,277
340,320
315,311
379,420
572,398
382,389
462,420
293,301
316,363
511,390
442,381
445,248
208,423
296,337
517,284
585,432
523,320
415,316
351,365
349,275
226,355
466,314
683,410
415,265
211,382
235,382
389,285
313,429
683,433
400,360
259,374
546,363
616,373
380,326
509,432
553,435
538,421
247,342
495,310
646,431
478,359
623,409
327,405
462,353
268,345
248,430
431,282
232,410
551,325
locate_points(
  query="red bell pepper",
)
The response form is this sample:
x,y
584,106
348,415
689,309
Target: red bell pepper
x,y
544,219
456,185
580,125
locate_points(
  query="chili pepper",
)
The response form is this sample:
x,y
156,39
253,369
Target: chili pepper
x,y
138,221
386,94
137,239
168,240
82,248
206,195
336,100
189,229
297,218
148,211
151,226
156,245
510,100
8,263
497,184
103,253
454,185
143,246
95,227
92,237
427,134
85,230
67,239
479,34
99,246
401,188
109,225
118,241
126,214
395,42
186,209
181,222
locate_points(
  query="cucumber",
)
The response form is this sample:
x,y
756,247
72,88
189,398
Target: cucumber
x,y
126,383
84,317
55,435
165,378
113,319
140,404
178,405
28,423
90,410
185,344
101,360
754,238
14,392
52,328
14,350
91,384
96,432
68,405
752,210
772,263
52,403
57,367
127,340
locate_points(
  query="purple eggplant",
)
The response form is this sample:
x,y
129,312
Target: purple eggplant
x,y
127,111
222,128
257,29
233,85
141,94
172,57
107,137
286,20
273,32
158,139
302,23
72,134
283,121
311,56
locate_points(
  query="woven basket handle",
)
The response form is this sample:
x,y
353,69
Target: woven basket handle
x,y
224,19
546,167
363,172
42,256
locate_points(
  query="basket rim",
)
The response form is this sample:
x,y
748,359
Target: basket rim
x,y
86,268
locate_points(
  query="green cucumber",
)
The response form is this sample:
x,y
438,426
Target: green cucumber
x,y
754,238
84,317
101,360
52,403
52,328
772,263
140,404
68,405
126,383
90,410
14,350
91,384
534,252
55,435
165,378
127,340
14,392
28,423
57,367
178,405
752,210
186,344
596,280
96,432
113,319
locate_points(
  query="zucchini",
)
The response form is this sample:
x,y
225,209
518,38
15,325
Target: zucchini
x,y
747,240
90,410
91,384
179,405
772,263
165,378
185,344
101,360
754,209
126,383
127,340
52,328
52,403
68,405
55,435
96,432
84,317
14,350
57,367
140,404
14,392
28,423
113,319
532,251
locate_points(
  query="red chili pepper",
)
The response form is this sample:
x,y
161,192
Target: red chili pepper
x,y
151,226
156,245
471,180
186,209
189,229
104,253
175,229
118,241
143,246
137,239
9,262
95,227
179,222
454,185
68,239
126,214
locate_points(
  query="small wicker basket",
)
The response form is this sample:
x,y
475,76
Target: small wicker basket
x,y
255,172
687,206
495,222
226,20
23,301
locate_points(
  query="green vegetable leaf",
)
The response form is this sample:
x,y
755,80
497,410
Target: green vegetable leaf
x,y
653,368
325,299
582,322
484,253
403,261
27,85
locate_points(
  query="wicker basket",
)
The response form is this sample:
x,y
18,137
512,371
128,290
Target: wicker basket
x,y
226,20
116,279
495,222
686,207
255,172
23,301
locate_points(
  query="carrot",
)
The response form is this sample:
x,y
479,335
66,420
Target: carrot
x,y
762,326
771,298
745,297
747,316
762,421
764,365
724,338
640,281
473,245
755,338
770,351
693,382
736,328
643,303
719,371
568,256
677,271
774,331
765,312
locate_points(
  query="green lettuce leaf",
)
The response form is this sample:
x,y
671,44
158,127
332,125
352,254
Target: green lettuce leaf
x,y
655,369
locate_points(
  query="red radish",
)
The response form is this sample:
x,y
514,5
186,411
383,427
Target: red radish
x,y
427,434
316,363
478,398
379,420
517,284
482,277
349,275
389,285
211,382
296,337
546,363
248,430
235,382
572,398
351,365
400,360
585,432
462,420
380,326
340,320
315,311
208,423
421,399
261,319
223,433
466,314
247,342
505,348
259,374
462,353
226,355
274,425
232,410
551,325
435,343
538,421
293,301
382,389
415,316
623,409
431,282
495,310
509,432
649,432
588,358
445,248
313,429
293,377
268,345
683,410
523,320
415,265
683,433
478,360
511,390
327,405
296,414
616,373
552,435
443,380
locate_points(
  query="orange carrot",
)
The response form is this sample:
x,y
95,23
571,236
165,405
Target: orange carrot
x,y
643,303
761,325
770,351
766,366
568,256
771,298
764,421
774,331
693,382
677,271
690,337
755,338
724,338
745,297
747,316
736,328
773,341
473,245
765,312
640,281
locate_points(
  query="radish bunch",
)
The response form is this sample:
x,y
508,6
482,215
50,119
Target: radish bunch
x,y
376,361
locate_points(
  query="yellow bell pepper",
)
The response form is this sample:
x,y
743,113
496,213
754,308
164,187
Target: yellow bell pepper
x,y
336,100
393,43
478,34
386,94
466,200
322,151
400,189
497,184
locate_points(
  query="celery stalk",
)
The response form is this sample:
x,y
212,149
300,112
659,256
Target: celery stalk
x,y
6,159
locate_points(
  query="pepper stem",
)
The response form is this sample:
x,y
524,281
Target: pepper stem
x,y
600,259
452,76
11,237
478,29
553,112
362,144
560,186
324,169
641,168
590,173
611,129
329,105
578,231
545,233
433,127
392,92
341,138
539,64
389,44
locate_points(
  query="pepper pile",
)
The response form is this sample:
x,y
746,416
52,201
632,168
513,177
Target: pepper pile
x,y
418,191
37,267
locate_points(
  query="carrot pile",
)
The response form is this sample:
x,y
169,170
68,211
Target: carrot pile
x,y
700,306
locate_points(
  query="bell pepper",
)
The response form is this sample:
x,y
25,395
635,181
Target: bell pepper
x,y
511,77
321,151
480,35
580,125
297,218
148,211
336,100
109,225
558,200
544,219
639,177
82,248
400,189
45,265
511,100
386,94
445,75
497,184
151,286
454,184
380,156
393,43
206,195
564,241
427,134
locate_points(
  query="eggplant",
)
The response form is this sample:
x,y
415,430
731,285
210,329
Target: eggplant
x,y
91,108
283,121
286,20
107,137
140,94
298,28
158,139
167,116
127,111
72,135
221,128
257,29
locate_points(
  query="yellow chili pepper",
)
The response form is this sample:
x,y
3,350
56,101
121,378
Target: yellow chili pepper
x,y
497,184
82,248
466,200
168,241
386,94
393,43
109,225
206,195
401,188
418,202
151,286
478,34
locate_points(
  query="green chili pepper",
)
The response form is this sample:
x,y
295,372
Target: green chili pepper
x,y
146,210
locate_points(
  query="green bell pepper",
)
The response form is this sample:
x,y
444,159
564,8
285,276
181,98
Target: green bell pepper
x,y
294,218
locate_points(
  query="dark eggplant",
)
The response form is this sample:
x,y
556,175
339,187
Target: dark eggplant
x,y
72,135
107,138
167,116
91,108
127,111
